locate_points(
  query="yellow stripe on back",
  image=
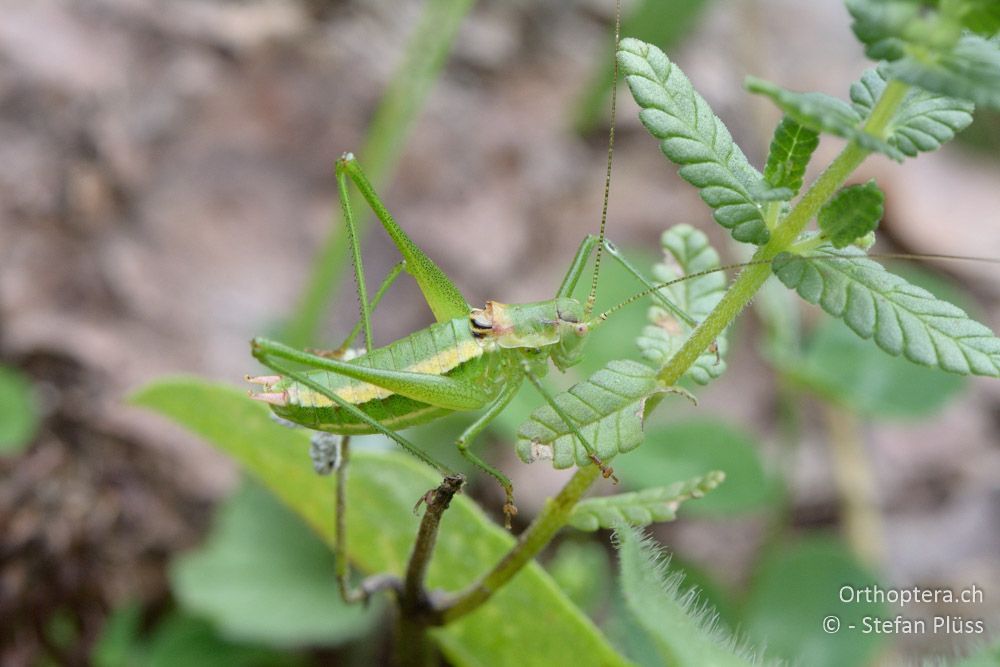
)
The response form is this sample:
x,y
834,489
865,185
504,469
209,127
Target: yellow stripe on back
x,y
358,393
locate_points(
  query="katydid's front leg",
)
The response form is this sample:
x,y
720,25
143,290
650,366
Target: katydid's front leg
x,y
443,297
606,471
464,442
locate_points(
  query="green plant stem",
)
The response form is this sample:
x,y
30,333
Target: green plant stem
x,y
541,531
385,140
782,238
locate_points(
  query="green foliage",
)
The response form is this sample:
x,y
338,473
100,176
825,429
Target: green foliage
x,y
970,71
687,251
851,214
641,508
791,148
264,576
381,525
900,317
18,412
823,113
842,368
607,410
693,137
682,450
924,120
582,568
682,631
988,656
177,640
794,589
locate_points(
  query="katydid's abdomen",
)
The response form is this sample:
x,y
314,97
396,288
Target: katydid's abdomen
x,y
447,348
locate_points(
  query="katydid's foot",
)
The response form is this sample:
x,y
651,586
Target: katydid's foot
x,y
714,349
509,512
606,471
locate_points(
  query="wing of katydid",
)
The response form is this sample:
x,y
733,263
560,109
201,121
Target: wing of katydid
x,y
443,297
438,390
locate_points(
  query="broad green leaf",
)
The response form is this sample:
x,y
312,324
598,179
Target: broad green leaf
x,y
843,368
582,568
795,589
382,489
679,628
791,148
981,16
694,138
178,639
263,576
923,122
641,508
851,214
606,409
682,450
971,70
823,113
900,317
18,412
686,251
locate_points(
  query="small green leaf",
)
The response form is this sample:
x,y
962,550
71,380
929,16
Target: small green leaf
x,y
382,489
970,71
687,251
641,508
685,449
924,120
606,408
264,576
900,317
682,632
881,25
822,113
18,412
852,213
694,138
796,589
791,148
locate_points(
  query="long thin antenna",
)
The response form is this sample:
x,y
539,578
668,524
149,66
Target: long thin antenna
x,y
592,297
740,265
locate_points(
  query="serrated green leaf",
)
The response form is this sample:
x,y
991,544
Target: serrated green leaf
x,y
881,24
901,318
687,251
641,508
924,120
971,70
791,148
607,410
382,488
823,113
852,213
694,138
679,628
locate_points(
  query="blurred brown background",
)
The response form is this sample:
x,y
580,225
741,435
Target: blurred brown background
x,y
166,178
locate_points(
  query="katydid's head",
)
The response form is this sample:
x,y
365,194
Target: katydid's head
x,y
559,324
